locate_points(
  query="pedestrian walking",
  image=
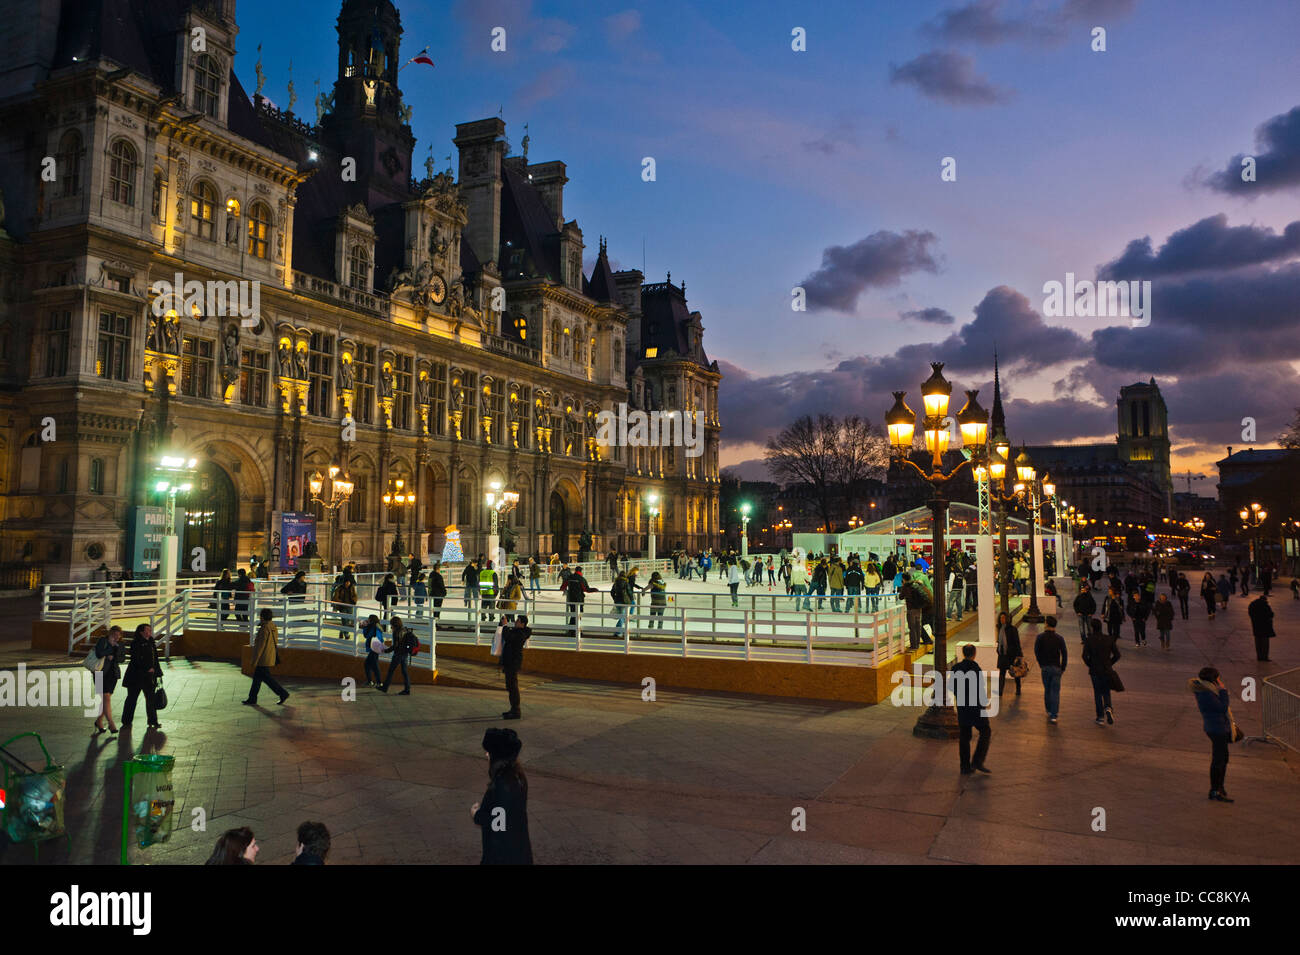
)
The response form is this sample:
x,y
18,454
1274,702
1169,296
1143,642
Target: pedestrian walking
x,y
234,847
1112,611
1164,614
1085,608
1216,720
373,634
1209,593
437,588
266,654
1052,657
1261,625
575,595
1138,612
970,714
534,575
142,676
404,644
1222,587
313,843
343,596
109,652
487,591
1100,652
469,581
1010,656
502,813
1184,590
513,640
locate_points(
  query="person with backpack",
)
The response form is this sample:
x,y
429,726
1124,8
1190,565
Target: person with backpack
x,y
344,598
513,640
621,593
575,595
1163,611
502,813
373,635
437,588
405,645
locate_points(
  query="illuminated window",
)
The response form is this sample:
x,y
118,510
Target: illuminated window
x,y
652,352
259,228
113,348
203,201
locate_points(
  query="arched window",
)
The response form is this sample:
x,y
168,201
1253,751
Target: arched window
x,y
69,163
555,337
121,172
203,203
359,268
207,85
259,229
96,476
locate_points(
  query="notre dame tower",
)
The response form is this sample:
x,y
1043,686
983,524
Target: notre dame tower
x,y
1144,432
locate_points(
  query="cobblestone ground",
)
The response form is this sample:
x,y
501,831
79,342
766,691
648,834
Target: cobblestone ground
x,y
704,778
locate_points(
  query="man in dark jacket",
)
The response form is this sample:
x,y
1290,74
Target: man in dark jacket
x,y
1085,608
1261,622
437,588
513,639
1112,611
970,712
1216,719
403,643
1049,651
243,595
575,591
1183,589
1163,611
142,675
502,814
1100,651
313,844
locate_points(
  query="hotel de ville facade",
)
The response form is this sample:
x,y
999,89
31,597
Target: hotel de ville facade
x,y
445,315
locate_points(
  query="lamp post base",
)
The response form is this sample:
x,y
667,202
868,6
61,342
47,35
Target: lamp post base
x,y
1033,614
937,722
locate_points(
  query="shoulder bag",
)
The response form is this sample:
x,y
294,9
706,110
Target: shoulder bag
x,y
93,662
159,696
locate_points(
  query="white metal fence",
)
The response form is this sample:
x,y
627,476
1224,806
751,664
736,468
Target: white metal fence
x,y
1282,708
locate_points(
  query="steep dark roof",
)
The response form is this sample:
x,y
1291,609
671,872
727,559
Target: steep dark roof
x,y
527,224
118,30
601,287
666,322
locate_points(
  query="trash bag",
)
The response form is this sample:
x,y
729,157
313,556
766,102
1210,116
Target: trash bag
x,y
152,802
35,808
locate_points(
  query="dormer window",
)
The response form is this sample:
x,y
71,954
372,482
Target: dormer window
x,y
207,85
359,268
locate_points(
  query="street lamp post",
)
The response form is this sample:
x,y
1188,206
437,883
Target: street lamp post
x,y
172,475
940,720
744,530
652,499
1253,519
499,502
1027,488
340,491
397,496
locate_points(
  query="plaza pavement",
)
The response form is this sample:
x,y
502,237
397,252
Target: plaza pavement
x,y
705,778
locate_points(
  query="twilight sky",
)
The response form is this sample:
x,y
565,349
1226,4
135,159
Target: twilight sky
x,y
821,169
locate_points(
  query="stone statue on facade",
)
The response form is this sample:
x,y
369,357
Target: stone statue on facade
x,y
285,359
386,382
346,376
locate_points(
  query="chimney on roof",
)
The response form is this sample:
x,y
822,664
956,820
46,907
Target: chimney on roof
x,y
1229,450
482,149
549,178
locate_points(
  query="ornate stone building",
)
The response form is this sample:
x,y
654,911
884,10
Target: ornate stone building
x,y
401,323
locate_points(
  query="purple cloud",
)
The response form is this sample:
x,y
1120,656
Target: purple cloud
x,y
948,77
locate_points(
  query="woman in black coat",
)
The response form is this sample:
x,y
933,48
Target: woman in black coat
x,y
109,649
1008,651
502,815
142,675
437,588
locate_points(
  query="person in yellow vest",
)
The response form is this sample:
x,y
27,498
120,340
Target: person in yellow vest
x,y
487,590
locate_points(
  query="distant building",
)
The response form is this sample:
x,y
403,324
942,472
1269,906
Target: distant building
x,y
1265,476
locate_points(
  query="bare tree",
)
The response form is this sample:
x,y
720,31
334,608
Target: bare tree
x,y
1290,438
829,455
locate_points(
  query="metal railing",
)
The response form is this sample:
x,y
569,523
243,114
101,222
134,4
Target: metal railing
x,y
1282,708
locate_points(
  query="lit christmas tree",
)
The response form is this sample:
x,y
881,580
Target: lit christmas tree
x,y
451,552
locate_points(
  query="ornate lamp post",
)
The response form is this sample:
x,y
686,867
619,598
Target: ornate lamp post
x,y
1027,488
997,492
652,511
340,491
1252,518
938,721
397,496
744,529
499,502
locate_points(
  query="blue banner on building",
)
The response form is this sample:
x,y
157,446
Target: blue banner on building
x,y
296,532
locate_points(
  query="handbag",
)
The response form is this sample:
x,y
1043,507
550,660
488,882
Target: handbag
x,y
93,662
1019,668
159,697
1116,683
1236,735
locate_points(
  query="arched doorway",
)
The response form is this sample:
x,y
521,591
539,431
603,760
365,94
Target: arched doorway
x,y
559,526
211,519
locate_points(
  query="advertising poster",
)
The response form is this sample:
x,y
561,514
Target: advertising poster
x,y
296,532
147,531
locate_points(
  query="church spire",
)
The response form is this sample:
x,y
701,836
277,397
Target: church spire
x,y
999,418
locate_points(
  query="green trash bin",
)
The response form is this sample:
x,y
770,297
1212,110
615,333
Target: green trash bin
x,y
148,801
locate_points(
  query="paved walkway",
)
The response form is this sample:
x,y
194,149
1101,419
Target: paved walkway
x,y
700,778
